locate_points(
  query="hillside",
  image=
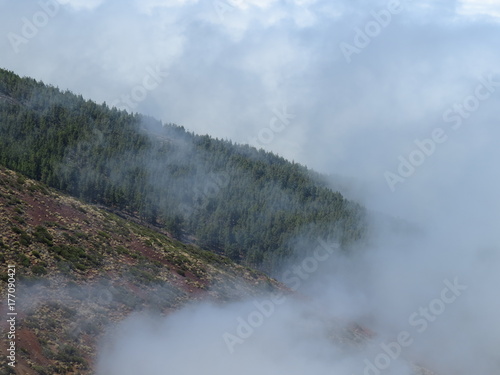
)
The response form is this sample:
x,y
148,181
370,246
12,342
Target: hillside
x,y
247,204
80,268
122,214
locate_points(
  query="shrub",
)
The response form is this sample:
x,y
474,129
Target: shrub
x,y
21,180
103,234
142,276
19,219
25,239
39,270
17,230
42,235
70,354
23,260
70,238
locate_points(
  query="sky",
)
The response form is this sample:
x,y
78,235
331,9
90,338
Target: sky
x,y
398,101
345,87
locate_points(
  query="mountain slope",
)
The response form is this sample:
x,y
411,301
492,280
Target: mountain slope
x,y
80,268
84,264
247,204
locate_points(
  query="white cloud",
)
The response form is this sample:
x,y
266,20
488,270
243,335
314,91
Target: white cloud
x,y
149,6
82,4
489,8
227,75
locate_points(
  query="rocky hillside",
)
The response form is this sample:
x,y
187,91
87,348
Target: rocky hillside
x,y
80,268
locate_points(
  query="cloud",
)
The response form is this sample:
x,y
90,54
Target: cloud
x,y
82,4
226,77
431,290
489,8
149,6
230,70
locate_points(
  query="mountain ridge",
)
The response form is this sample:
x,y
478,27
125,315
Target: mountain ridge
x,y
247,204
91,244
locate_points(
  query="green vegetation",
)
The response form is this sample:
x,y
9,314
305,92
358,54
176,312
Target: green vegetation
x,y
71,354
39,269
23,260
88,280
143,275
42,235
78,257
25,239
247,204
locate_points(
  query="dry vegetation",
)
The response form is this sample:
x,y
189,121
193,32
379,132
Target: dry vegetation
x,y
81,268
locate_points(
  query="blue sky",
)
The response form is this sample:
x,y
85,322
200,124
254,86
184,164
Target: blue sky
x,y
227,67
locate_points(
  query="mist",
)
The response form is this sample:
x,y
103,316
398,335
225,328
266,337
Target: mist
x,y
405,125
431,293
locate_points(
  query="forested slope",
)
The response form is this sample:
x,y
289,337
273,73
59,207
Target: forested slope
x,y
250,205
